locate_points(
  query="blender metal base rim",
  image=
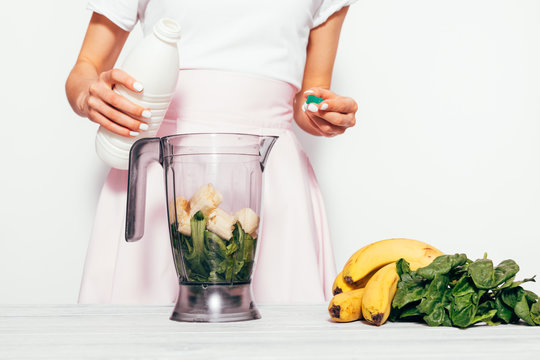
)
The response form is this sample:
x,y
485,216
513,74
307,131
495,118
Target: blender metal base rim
x,y
252,315
215,303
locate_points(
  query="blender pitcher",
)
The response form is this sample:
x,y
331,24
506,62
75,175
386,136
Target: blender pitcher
x,y
213,188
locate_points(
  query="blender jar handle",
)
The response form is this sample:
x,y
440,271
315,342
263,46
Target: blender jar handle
x,y
142,153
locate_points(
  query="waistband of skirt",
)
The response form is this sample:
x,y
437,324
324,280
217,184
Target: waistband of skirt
x,y
227,99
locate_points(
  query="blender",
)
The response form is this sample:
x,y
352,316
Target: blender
x,y
213,184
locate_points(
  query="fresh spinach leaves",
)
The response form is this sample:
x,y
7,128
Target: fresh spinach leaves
x,y
204,257
455,291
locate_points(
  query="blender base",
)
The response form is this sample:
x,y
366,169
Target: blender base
x,y
215,303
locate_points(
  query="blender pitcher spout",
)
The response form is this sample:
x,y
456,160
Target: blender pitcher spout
x,y
265,145
142,153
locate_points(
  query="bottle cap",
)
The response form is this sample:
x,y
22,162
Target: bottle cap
x,y
167,30
314,99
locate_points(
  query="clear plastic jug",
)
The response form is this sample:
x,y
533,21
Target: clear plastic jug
x,y
213,185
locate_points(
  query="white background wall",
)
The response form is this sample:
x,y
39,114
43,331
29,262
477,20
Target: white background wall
x,y
446,149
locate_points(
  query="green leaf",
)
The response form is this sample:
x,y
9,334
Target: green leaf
x,y
394,314
249,248
238,236
485,317
402,267
486,306
238,265
198,225
510,283
492,322
238,239
442,265
230,269
231,248
410,312
447,299
409,290
485,277
215,246
523,311
464,286
437,316
222,266
503,311
183,242
447,321
434,295
463,309
482,273
196,260
248,258
535,312
516,299
505,270
531,297
511,296
214,276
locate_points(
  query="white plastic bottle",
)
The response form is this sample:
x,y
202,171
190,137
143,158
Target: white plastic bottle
x,y
154,63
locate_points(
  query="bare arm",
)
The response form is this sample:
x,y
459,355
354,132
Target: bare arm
x,y
321,54
90,82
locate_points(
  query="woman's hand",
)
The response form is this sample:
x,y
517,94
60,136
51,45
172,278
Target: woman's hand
x,y
332,116
111,110
90,84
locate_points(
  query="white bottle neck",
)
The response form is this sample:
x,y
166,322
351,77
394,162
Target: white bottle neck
x,y
167,30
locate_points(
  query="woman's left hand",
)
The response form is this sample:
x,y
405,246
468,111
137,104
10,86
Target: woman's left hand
x,y
332,116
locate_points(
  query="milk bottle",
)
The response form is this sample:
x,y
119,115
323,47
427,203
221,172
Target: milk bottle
x,y
154,63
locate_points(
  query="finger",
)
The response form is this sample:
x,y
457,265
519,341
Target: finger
x,y
116,100
338,119
116,116
340,104
118,76
320,92
326,128
99,118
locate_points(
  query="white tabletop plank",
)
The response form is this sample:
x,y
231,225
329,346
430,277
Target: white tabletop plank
x,y
284,332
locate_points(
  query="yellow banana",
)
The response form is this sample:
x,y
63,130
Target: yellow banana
x,y
340,286
380,290
248,219
180,207
205,199
221,223
346,306
379,293
380,253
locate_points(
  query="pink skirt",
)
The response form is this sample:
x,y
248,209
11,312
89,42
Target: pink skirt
x,y
295,259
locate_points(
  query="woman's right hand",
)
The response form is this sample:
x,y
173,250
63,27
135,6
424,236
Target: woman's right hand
x,y
104,106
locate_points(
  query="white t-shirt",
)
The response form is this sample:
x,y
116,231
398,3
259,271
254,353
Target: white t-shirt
x,y
267,38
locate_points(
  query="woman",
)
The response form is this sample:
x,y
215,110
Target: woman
x,y
245,65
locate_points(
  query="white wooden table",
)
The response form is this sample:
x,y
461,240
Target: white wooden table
x,y
284,332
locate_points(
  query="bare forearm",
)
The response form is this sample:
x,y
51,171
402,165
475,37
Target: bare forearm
x,y
320,55
77,86
313,78
102,44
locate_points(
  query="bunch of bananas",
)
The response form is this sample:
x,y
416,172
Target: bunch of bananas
x,y
367,285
